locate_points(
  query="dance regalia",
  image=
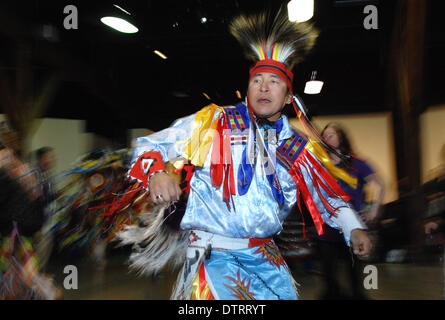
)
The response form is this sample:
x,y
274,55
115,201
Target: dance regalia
x,y
236,202
243,176
81,220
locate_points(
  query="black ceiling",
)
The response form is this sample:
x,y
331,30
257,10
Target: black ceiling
x,y
114,80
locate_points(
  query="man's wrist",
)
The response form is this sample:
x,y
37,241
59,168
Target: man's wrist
x,y
357,229
155,173
145,166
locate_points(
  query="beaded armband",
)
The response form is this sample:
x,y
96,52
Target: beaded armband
x,y
148,164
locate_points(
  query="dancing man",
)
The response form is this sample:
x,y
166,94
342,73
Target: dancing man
x,y
249,168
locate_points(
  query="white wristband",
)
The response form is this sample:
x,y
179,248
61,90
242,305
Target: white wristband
x,y
348,220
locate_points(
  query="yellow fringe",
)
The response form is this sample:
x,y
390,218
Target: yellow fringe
x,y
320,153
204,128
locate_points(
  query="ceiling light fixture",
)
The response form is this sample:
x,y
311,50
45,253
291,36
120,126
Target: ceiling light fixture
x,y
159,53
119,24
313,86
206,95
300,10
203,20
122,9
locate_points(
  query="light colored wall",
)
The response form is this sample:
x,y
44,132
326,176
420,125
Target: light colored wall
x,y
371,137
67,137
432,137
136,133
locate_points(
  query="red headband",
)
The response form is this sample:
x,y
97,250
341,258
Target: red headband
x,y
275,67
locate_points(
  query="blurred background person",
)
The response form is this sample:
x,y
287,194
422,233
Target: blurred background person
x,y
330,244
46,161
43,239
21,212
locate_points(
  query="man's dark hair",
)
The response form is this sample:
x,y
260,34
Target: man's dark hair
x,y
42,151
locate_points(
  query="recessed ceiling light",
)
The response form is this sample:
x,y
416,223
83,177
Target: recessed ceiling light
x,y
122,9
119,24
159,53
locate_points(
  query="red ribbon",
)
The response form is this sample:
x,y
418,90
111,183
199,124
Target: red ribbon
x,y
332,183
317,182
221,165
116,204
189,169
297,175
216,166
328,183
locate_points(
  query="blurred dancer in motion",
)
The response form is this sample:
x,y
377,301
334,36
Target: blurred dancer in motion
x,y
331,244
21,215
82,225
238,195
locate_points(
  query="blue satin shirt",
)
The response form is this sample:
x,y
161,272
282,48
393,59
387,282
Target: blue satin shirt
x,y
256,214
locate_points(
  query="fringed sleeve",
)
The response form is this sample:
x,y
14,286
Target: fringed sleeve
x,y
189,139
325,200
154,241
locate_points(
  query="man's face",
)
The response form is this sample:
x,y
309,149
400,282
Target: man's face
x,y
268,95
48,161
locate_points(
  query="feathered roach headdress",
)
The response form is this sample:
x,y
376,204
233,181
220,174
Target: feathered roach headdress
x,y
275,44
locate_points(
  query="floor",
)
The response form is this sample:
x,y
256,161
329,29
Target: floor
x,y
395,281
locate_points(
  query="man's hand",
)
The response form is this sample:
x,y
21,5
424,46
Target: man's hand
x,y
361,243
163,188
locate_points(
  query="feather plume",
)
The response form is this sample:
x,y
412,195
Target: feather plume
x,y
154,244
274,37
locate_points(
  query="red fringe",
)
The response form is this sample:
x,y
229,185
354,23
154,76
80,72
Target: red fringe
x,y
328,184
189,169
116,205
221,165
332,183
302,187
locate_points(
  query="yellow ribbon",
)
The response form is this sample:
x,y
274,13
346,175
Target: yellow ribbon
x,y
196,293
204,128
320,153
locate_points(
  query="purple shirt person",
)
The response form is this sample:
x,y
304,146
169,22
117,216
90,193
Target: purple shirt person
x,y
330,243
361,170
336,137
